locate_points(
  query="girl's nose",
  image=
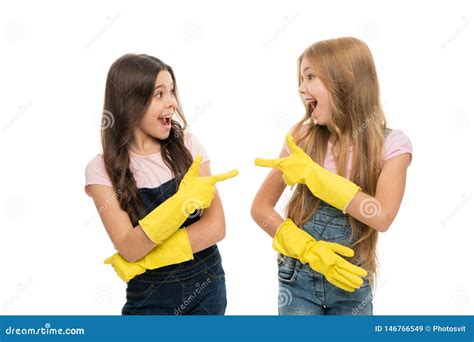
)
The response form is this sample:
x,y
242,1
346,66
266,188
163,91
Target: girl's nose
x,y
302,89
173,103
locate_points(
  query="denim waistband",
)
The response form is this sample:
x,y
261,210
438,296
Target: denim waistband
x,y
203,260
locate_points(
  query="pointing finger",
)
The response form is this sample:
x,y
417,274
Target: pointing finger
x,y
268,162
223,176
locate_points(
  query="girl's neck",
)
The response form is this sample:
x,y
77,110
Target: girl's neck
x,y
143,144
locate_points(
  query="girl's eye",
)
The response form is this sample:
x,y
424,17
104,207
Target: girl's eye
x,y
310,77
173,92
159,94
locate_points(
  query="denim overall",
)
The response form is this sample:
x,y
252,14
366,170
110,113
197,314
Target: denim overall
x,y
194,287
303,291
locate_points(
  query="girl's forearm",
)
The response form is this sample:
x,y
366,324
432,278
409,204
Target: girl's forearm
x,y
202,234
369,210
267,218
135,245
205,233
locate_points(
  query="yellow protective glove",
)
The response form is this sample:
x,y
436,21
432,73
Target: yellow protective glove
x,y
322,256
193,193
174,250
298,167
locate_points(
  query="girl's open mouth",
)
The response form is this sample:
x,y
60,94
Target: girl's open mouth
x,y
313,105
165,121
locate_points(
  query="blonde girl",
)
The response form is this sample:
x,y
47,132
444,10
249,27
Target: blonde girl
x,y
350,172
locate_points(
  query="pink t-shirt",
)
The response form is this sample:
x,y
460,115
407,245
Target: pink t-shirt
x,y
149,171
395,144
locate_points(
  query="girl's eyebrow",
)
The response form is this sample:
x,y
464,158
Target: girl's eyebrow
x,y
163,85
304,70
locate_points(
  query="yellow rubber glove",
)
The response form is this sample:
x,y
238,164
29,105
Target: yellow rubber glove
x,y
193,193
174,250
322,256
298,167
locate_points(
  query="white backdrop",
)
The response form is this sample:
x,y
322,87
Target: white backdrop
x,y
235,64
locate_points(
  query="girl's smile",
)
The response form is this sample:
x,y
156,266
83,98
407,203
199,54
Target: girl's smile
x,y
165,121
314,93
312,103
162,107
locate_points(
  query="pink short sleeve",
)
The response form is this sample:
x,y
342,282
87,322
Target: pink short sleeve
x,y
195,146
396,143
96,173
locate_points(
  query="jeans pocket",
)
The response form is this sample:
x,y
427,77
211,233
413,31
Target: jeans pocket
x,y
287,269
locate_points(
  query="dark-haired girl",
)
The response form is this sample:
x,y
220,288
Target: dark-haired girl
x,y
151,186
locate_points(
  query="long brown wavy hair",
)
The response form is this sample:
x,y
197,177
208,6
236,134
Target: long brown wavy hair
x,y
128,92
346,68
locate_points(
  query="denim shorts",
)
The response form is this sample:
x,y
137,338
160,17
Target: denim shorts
x,y
302,291
195,287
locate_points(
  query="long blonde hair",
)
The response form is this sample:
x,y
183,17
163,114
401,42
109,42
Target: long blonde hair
x,y
346,68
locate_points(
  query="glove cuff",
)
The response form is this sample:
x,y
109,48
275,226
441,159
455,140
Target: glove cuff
x,y
293,241
164,220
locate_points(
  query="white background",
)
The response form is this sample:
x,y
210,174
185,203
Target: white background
x,y
235,64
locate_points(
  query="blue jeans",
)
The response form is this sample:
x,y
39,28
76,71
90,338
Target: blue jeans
x,y
303,291
195,287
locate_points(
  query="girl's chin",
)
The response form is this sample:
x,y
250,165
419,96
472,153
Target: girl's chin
x,y
162,135
318,121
